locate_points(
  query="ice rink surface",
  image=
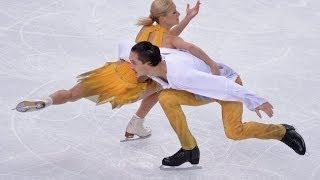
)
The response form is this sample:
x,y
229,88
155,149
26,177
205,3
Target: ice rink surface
x,y
44,45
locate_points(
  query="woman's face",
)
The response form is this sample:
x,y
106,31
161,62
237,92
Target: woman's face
x,y
172,17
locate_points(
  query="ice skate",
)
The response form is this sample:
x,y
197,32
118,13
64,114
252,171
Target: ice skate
x,y
136,130
294,140
33,105
28,106
182,156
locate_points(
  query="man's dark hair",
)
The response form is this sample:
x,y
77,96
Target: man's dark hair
x,y
147,53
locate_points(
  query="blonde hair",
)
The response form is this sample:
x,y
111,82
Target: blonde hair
x,y
158,8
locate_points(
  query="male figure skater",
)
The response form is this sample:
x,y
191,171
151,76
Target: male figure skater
x,y
182,75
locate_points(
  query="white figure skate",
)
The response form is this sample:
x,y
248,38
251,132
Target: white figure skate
x,y
136,127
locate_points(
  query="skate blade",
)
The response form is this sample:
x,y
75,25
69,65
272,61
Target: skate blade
x,y
28,106
179,168
134,138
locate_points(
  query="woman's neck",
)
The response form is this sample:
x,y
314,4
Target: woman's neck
x,y
166,26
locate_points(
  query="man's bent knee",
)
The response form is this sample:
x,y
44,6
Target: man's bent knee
x,y
234,134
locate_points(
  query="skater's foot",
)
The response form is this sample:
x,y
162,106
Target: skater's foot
x,y
27,106
294,140
183,156
136,127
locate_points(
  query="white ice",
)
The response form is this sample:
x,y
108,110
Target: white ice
x,y
45,44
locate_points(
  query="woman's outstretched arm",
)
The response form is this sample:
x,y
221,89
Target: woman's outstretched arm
x,y
191,13
179,43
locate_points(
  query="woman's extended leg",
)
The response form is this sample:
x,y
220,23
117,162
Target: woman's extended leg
x,y
59,97
64,96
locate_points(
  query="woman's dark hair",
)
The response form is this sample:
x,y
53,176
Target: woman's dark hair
x,y
147,53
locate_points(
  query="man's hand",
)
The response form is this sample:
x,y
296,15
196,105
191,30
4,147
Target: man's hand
x,y
265,107
191,13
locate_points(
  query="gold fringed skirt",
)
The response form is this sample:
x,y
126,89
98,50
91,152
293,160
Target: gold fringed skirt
x,y
115,82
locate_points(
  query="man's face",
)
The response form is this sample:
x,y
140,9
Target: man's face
x,y
137,65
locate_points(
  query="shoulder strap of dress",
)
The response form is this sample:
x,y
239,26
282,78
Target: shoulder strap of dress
x,y
159,32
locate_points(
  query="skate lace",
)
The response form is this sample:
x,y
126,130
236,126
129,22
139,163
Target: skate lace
x,y
178,154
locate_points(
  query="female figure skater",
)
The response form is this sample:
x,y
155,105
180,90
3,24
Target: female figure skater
x,y
116,82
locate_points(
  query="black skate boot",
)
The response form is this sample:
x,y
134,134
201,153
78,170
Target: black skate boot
x,y
294,140
183,156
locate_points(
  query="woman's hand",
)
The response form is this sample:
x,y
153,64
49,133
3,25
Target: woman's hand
x,y
215,69
191,13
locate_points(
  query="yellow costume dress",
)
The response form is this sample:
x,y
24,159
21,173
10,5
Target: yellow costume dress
x,y
116,82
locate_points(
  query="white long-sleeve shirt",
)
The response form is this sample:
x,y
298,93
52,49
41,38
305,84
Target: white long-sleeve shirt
x,y
189,73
